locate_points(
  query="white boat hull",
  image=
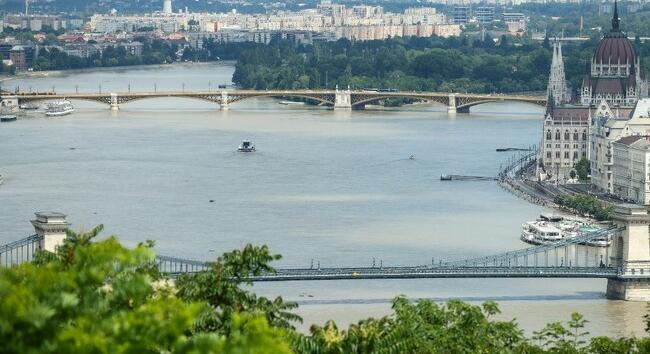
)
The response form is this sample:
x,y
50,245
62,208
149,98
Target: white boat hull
x,y
59,114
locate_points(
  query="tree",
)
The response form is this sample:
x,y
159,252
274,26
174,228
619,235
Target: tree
x,y
103,298
583,168
220,287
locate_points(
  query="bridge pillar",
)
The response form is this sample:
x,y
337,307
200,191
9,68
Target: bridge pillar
x,y
343,100
9,103
451,107
114,102
51,227
224,106
631,254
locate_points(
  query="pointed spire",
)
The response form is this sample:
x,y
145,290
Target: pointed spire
x,y
557,87
615,20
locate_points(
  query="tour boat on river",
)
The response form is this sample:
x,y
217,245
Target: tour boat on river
x,y
59,108
553,228
246,146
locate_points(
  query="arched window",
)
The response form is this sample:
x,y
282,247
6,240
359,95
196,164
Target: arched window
x,y
566,135
557,135
584,135
575,135
548,135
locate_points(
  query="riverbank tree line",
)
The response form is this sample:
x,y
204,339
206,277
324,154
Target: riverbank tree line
x,y
100,297
153,52
413,64
585,204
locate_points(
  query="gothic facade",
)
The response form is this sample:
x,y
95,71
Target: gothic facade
x,y
587,126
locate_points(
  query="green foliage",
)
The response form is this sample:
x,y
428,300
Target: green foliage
x,y
583,168
221,287
421,327
102,298
153,52
585,204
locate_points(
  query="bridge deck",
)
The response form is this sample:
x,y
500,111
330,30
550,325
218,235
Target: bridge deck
x,y
436,272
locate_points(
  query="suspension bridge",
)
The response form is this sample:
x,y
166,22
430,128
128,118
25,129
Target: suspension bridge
x,y
626,266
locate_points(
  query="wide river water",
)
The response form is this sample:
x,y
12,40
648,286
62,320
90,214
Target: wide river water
x,y
332,187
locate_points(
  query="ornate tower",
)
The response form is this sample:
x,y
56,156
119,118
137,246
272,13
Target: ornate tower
x,y
557,88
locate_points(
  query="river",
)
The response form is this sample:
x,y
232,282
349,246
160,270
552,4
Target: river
x,y
332,187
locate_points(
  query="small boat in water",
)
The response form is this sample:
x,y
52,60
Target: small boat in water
x,y
286,103
8,118
59,108
28,106
246,146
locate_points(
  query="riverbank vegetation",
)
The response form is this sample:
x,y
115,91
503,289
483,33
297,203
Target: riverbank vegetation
x,y
585,204
153,52
422,64
101,297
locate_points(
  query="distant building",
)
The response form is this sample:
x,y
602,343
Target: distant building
x,y
632,168
167,7
18,56
461,14
484,14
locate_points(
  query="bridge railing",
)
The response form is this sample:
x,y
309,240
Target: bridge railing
x,y
523,256
20,251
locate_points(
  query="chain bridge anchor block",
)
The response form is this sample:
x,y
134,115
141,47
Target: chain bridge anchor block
x,y
630,254
50,226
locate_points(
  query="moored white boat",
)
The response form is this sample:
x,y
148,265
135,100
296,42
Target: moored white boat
x,y
548,229
59,108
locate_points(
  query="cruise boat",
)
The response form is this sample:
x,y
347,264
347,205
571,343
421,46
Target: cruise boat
x,y
540,232
552,228
246,146
60,108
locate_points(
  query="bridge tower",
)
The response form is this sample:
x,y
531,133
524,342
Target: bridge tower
x,y
51,227
343,99
451,107
224,105
631,254
115,104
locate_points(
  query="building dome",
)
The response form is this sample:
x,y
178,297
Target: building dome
x,y
615,48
